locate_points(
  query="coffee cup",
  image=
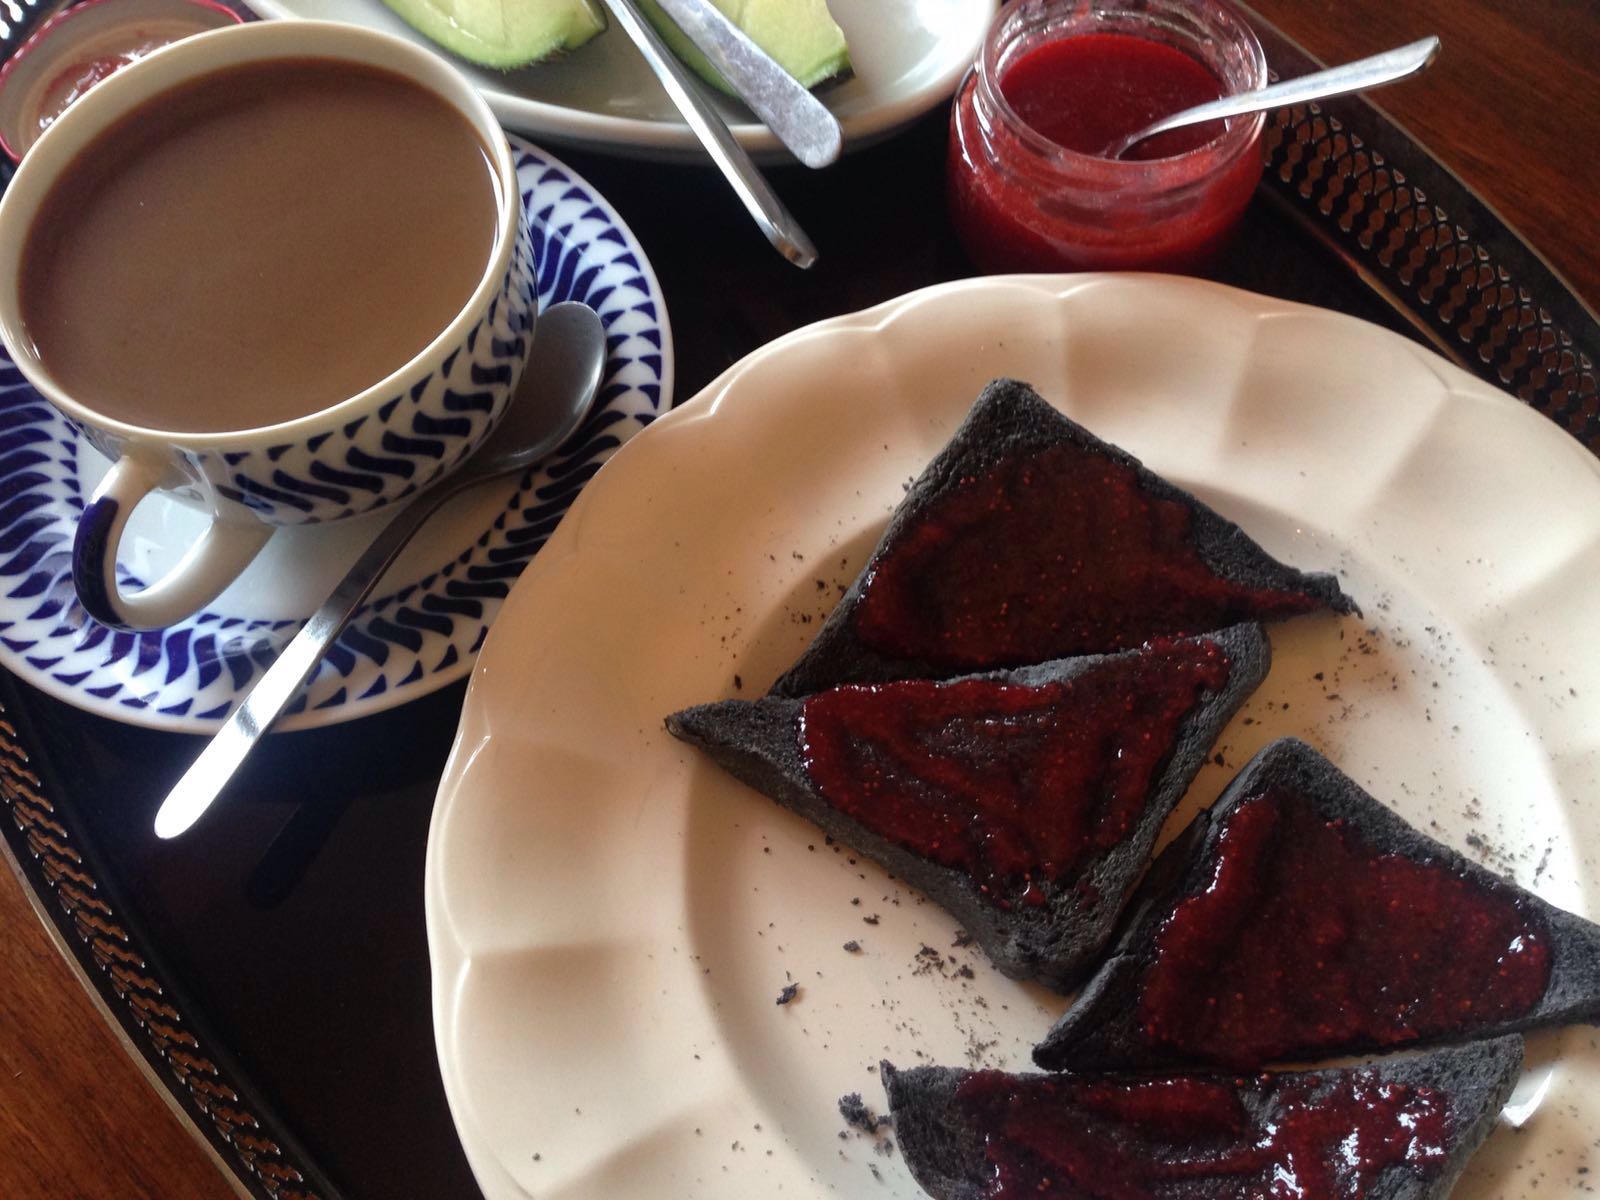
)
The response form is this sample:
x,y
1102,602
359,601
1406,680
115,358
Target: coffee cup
x,y
239,447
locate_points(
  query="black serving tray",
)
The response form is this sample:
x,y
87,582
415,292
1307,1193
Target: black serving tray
x,y
272,968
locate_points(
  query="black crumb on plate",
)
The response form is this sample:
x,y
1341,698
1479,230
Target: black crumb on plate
x,y
857,1115
788,993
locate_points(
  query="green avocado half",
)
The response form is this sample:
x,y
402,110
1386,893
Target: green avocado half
x,y
504,33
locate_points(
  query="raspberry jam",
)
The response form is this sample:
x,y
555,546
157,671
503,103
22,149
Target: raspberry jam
x,y
1307,939
1268,1136
1057,81
1017,786
1058,553
1089,90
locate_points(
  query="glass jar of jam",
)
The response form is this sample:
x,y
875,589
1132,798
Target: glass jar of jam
x,y
1059,80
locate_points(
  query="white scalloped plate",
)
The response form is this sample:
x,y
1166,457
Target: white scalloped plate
x,y
907,56
611,918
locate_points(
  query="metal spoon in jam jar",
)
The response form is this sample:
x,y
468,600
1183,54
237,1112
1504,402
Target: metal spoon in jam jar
x,y
1359,76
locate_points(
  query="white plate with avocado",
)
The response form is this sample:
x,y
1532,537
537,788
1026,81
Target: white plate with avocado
x,y
903,56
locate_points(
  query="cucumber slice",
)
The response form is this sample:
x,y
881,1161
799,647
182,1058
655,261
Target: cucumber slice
x,y
800,34
504,33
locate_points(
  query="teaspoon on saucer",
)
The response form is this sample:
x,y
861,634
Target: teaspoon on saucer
x,y
559,385
1359,76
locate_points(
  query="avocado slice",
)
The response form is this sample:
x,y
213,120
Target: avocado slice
x,y
504,33
800,34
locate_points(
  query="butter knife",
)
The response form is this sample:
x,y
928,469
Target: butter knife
x,y
797,118
782,230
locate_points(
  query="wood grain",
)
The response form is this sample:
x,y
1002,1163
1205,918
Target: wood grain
x,y
1513,104
78,1121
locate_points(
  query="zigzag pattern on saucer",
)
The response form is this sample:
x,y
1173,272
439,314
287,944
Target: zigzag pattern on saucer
x,y
404,644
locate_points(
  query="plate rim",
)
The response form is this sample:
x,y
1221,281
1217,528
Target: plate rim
x,y
673,140
450,962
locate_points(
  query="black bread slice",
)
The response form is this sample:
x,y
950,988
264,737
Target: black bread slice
x,y
1009,420
1101,1030
946,1154
758,742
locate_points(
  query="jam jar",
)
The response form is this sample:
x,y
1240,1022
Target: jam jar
x,y
1057,81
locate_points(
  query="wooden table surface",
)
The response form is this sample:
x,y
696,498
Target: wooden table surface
x,y
1513,105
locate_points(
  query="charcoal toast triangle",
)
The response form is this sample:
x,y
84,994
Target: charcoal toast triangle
x,y
1124,536
1348,932
1054,933
944,1137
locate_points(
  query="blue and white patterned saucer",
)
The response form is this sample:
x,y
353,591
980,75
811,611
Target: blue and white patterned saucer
x,y
433,609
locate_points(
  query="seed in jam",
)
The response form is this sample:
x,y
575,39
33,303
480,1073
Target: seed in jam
x,y
1308,939
1310,1137
1048,555
1015,785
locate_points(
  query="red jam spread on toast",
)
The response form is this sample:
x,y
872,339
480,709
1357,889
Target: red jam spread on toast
x,y
1014,785
1048,555
1308,938
1297,1137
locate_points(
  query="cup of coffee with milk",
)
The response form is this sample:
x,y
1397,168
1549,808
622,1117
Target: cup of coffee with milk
x,y
280,272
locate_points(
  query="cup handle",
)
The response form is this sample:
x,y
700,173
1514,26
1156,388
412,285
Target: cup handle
x,y
209,566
